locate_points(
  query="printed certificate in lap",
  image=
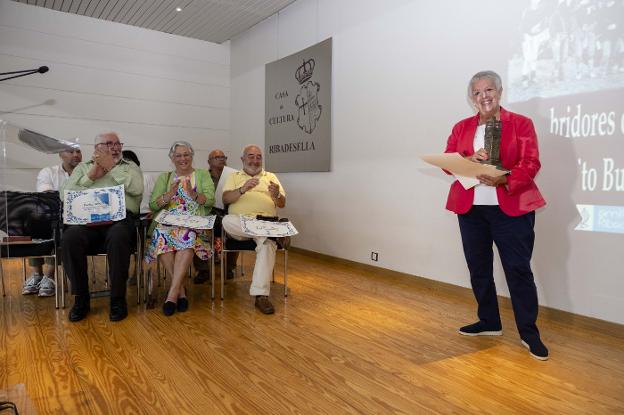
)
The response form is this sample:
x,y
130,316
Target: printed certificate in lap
x,y
254,227
83,207
186,221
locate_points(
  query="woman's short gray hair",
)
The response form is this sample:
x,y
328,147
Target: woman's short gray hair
x,y
491,75
180,144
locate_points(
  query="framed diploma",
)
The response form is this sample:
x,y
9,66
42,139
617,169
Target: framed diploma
x,y
106,204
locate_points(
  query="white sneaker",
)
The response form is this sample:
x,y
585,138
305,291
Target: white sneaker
x,y
31,286
47,287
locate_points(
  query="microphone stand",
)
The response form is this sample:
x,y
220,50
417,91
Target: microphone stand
x,y
22,73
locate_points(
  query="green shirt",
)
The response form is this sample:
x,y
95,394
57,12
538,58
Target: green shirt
x,y
203,183
124,172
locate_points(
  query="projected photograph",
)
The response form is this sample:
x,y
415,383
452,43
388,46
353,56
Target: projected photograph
x,y
567,47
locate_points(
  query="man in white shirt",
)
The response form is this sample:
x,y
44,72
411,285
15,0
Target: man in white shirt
x,y
217,166
50,179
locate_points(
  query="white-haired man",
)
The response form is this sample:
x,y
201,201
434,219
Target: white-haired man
x,y
106,168
254,191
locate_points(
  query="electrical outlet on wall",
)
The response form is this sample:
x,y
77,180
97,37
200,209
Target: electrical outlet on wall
x,y
375,256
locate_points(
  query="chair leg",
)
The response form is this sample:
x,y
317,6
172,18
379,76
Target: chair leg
x,y
144,271
92,271
137,276
2,278
106,270
285,273
56,286
223,260
212,266
24,269
63,278
242,261
138,256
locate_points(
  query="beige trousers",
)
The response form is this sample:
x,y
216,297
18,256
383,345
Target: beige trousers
x,y
265,255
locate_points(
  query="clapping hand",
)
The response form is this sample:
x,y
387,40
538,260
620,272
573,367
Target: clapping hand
x,y
274,190
103,158
174,186
250,184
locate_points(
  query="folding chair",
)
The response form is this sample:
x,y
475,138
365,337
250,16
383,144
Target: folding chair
x,y
31,214
101,252
229,244
148,280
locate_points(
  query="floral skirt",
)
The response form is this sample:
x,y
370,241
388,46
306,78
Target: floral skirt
x,y
166,238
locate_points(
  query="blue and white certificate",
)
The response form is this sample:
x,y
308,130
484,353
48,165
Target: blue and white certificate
x,y
106,204
186,221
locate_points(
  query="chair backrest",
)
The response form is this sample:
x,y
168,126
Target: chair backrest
x,y
29,213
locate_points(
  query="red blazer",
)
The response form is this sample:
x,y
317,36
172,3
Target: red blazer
x,y
518,153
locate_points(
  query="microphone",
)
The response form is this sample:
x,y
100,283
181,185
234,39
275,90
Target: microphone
x,y
41,69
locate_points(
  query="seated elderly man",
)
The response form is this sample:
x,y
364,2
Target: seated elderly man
x,y
50,179
253,191
106,168
217,161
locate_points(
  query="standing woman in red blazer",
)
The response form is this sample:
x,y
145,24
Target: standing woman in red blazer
x,y
499,210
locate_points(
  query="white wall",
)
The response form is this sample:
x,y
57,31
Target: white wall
x,y
400,70
150,87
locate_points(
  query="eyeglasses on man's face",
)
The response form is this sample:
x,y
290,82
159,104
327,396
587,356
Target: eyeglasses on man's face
x,y
219,158
111,144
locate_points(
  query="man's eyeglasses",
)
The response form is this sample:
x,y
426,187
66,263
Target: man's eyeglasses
x,y
111,144
219,158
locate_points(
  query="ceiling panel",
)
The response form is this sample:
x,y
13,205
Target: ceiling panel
x,y
211,20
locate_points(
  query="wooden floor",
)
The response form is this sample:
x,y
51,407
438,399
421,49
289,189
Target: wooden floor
x,y
348,340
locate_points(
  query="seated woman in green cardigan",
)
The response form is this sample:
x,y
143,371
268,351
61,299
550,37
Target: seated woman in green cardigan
x,y
185,191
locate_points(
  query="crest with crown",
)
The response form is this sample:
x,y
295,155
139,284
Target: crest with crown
x,y
304,72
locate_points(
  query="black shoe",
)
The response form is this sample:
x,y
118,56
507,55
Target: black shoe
x,y
82,306
537,349
169,308
183,304
229,275
480,329
201,277
118,309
